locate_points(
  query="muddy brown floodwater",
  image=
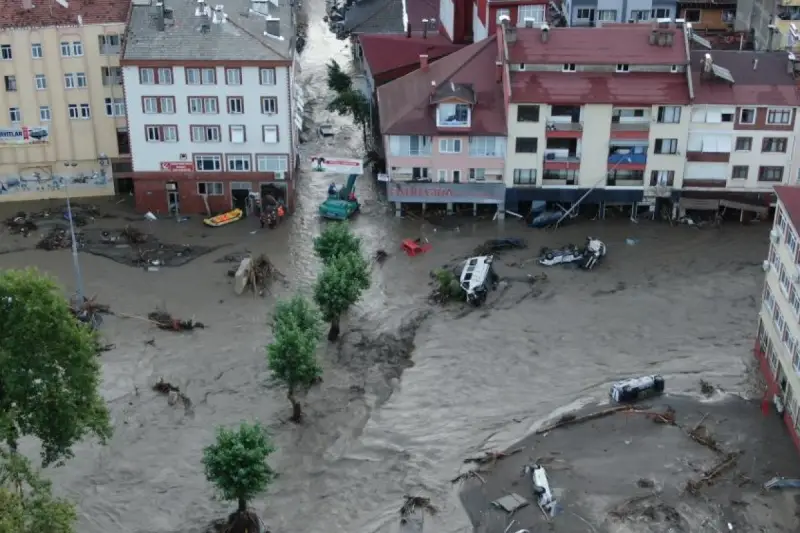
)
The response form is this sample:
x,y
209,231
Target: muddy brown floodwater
x,y
681,302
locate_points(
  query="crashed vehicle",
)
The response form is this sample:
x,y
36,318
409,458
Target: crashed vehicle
x,y
477,278
588,256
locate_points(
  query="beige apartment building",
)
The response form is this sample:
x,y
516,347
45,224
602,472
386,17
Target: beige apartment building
x,y
62,108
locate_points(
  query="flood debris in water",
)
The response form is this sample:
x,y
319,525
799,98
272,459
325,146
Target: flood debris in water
x,y
59,238
495,246
413,504
174,394
381,256
164,320
89,311
256,274
21,224
489,458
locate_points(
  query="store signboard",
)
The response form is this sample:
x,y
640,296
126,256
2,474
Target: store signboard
x,y
441,193
23,135
337,165
177,166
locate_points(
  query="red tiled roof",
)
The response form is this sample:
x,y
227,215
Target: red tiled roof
x,y
50,13
768,84
387,52
599,88
790,198
628,44
404,104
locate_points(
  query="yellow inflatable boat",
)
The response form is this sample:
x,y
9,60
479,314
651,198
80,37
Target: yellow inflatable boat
x,y
224,218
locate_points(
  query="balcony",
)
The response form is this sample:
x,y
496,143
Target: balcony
x,y
627,156
625,178
708,183
560,177
708,157
564,122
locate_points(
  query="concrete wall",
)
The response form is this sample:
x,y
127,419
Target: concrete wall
x,y
400,166
516,129
594,144
675,162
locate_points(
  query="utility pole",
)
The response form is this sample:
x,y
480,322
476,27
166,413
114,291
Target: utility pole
x,y
75,263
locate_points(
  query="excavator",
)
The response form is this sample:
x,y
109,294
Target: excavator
x,y
342,203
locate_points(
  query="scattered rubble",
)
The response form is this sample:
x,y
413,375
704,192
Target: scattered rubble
x,y
59,238
165,321
381,256
20,224
494,246
173,393
412,504
89,311
256,273
134,235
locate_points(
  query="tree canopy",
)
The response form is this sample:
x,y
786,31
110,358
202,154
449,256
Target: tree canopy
x,y
336,239
292,355
27,504
50,370
339,286
236,464
338,80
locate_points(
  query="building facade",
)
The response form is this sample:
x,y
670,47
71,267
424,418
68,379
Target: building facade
x,y
207,132
63,124
778,340
598,12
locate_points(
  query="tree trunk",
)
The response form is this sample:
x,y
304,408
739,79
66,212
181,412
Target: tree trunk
x,y
242,505
333,333
297,409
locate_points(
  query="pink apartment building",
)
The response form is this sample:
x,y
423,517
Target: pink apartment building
x,y
444,130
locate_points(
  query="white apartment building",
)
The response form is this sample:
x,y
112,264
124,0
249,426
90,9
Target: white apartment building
x,y
778,345
210,98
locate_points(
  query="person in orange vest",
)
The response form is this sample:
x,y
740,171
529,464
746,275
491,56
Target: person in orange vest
x,y
281,212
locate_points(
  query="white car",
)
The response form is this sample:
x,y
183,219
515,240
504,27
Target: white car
x,y
477,277
588,256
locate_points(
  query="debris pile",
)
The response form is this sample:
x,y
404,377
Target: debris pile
x,y
381,256
89,311
413,504
493,246
20,224
134,235
173,393
165,321
58,238
256,273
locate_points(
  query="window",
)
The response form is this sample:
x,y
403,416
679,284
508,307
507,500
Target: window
x,y
526,145
585,14
111,76
660,13
740,172
774,144
44,113
72,109
666,146
783,277
164,76
669,114
80,79
623,67
529,15
744,144
269,105
238,163
203,105
235,105
607,15
662,178
272,163
453,115
69,80
675,68
66,49
503,13
158,104
691,15
151,76
640,15
11,83
267,76
727,115
709,143
441,175
40,80
109,44
769,299
270,134
528,113
86,111
210,188
747,115
147,76
771,174
36,51
410,145
14,115
77,48
115,107
477,174
791,241
161,134
524,176
206,134
449,146
568,67
233,76
5,52
487,146
201,76
779,116
237,134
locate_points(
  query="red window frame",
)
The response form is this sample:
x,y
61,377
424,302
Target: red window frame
x,y
216,127
230,133
264,99
161,133
277,133
157,78
229,99
159,106
203,101
213,154
237,154
233,69
200,70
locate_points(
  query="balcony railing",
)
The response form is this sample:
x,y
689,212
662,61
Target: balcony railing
x,y
562,158
625,183
629,159
630,126
705,183
555,125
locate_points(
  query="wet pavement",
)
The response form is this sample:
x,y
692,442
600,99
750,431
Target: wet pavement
x,y
410,390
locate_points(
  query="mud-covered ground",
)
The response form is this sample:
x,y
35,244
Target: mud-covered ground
x,y
410,389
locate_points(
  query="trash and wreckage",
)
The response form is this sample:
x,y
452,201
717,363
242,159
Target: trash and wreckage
x,y
587,257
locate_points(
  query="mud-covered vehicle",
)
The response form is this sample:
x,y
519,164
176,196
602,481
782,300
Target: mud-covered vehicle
x,y
477,278
586,257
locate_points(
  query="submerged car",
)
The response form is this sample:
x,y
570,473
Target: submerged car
x,y
587,257
477,277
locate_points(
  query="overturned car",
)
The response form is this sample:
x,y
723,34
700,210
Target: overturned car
x,y
477,278
587,257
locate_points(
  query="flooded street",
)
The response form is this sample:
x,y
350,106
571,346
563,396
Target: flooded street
x,y
681,302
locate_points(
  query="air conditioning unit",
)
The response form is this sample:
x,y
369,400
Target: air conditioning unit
x,y
765,266
774,236
184,157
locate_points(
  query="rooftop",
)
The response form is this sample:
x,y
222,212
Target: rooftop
x,y
626,44
405,107
384,53
769,83
790,198
47,13
599,88
189,36
388,16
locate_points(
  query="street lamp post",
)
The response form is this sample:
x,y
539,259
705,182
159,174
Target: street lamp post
x,y
75,263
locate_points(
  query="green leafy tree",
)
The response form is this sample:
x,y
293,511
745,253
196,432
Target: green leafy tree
x,y
338,80
27,504
339,286
336,239
353,103
50,371
292,356
236,465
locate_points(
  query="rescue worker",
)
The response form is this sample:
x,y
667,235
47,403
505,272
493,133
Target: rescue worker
x,y
281,212
332,189
351,197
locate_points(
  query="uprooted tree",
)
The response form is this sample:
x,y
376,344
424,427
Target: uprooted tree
x,y
27,504
336,239
339,286
50,370
236,465
347,100
292,355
